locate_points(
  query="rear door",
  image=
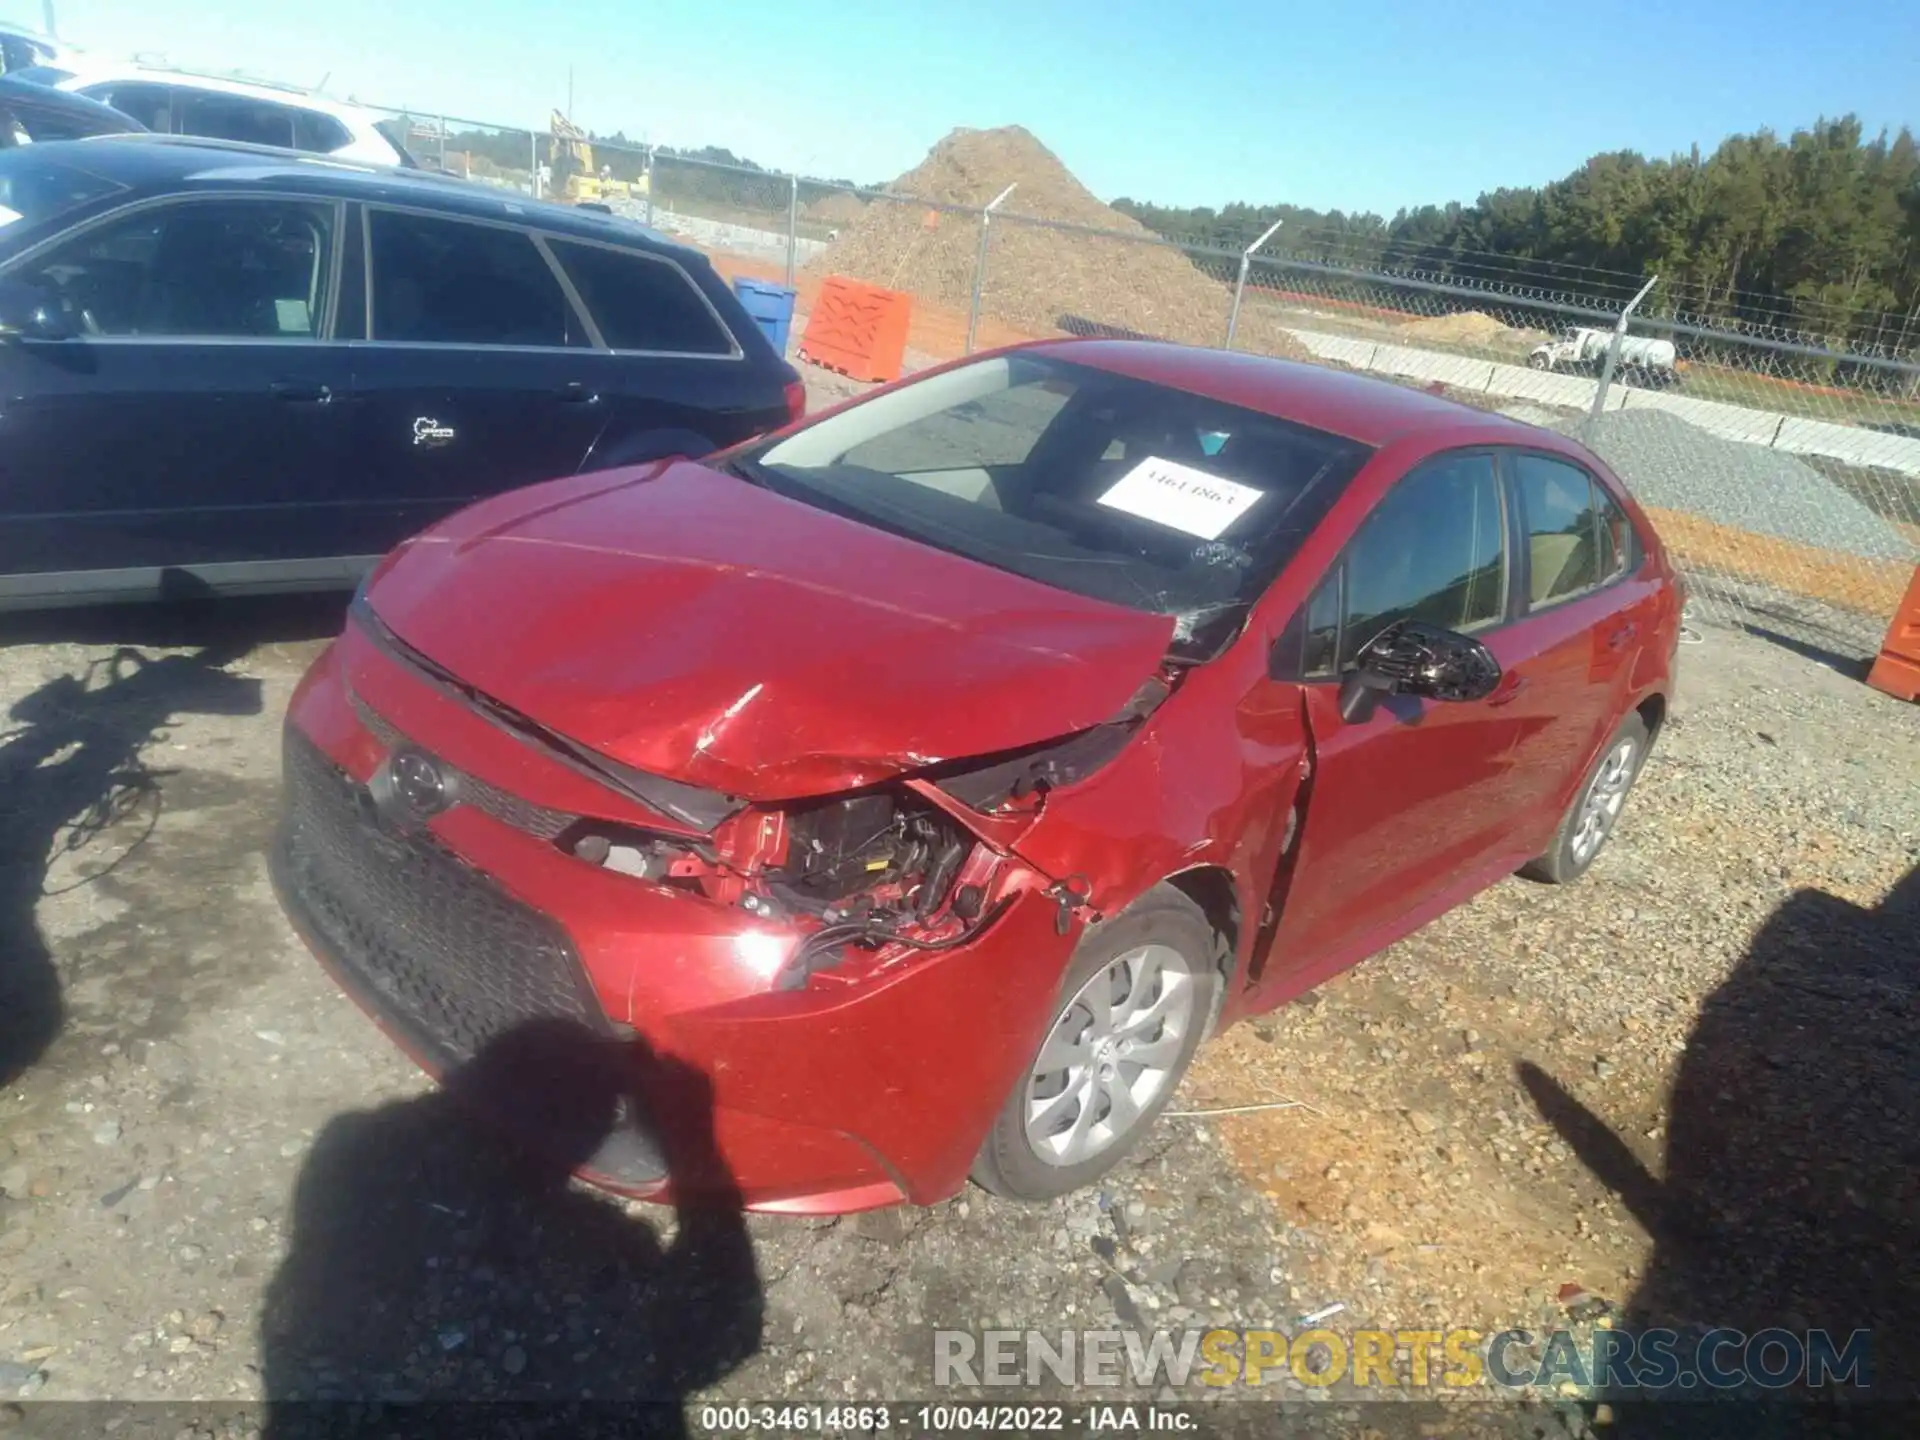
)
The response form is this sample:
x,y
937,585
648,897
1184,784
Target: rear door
x,y
678,382
1407,800
1582,617
192,421
478,373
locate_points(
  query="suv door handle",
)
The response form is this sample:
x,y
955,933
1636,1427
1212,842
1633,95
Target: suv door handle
x,y
574,393
295,393
1623,636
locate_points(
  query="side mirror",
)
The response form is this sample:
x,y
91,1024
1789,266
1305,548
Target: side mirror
x,y
28,313
1411,657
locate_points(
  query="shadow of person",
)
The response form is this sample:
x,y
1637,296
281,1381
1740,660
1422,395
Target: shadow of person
x,y
1791,1192
433,1264
71,773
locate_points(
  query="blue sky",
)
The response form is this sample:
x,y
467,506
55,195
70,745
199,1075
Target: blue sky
x,y
1366,104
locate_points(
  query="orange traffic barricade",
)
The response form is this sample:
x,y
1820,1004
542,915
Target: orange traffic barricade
x,y
1897,671
858,330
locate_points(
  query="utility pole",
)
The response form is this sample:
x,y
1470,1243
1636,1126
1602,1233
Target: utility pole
x,y
569,92
52,25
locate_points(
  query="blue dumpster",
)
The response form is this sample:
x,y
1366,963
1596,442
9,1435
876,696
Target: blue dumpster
x,y
771,307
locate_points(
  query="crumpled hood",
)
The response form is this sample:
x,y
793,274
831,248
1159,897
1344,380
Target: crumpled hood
x,y
689,624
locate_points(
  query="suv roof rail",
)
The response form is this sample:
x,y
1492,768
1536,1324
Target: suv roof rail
x,y
159,66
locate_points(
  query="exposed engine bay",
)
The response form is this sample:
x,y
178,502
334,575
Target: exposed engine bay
x,y
869,870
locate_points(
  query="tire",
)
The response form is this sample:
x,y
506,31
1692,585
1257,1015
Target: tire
x,y
1575,845
1539,362
1161,941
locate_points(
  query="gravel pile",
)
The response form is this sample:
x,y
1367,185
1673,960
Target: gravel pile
x,y
1673,465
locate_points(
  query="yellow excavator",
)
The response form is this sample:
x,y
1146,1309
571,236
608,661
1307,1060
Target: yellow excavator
x,y
574,177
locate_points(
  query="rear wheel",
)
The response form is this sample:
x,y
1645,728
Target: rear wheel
x,y
1136,1003
1595,809
1539,362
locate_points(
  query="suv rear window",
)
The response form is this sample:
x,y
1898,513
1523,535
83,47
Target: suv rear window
x,y
641,303
322,134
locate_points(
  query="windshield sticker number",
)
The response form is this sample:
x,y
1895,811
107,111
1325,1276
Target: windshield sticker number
x,y
1181,497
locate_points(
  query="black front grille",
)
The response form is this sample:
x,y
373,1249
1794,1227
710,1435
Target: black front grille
x,y
430,943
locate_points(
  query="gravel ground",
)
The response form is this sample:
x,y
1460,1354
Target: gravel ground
x,y
1673,465
1686,1088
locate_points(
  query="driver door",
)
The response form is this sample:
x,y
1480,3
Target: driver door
x,y
1410,800
192,419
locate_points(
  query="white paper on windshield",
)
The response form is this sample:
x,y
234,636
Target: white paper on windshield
x,y
7,217
1180,497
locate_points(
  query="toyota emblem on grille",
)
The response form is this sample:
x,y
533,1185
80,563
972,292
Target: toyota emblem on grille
x,y
418,783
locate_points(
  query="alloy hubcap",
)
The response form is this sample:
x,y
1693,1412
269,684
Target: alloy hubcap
x,y
1109,1055
1600,807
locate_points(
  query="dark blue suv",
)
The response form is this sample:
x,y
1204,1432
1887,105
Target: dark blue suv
x,y
227,368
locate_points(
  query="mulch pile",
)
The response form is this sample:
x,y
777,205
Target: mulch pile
x,y
839,208
1039,280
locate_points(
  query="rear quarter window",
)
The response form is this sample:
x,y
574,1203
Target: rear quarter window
x,y
641,302
322,134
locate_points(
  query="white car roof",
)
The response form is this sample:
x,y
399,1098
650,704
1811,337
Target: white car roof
x,y
92,72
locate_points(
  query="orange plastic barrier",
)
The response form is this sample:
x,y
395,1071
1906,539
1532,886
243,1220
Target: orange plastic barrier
x,y
1897,671
858,330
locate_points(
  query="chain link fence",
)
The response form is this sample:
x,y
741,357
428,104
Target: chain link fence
x,y
1784,477
1783,473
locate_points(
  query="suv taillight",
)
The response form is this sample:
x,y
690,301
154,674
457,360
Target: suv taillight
x,y
796,397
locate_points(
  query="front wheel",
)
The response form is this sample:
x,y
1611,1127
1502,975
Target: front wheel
x,y
1595,809
1539,362
1136,1003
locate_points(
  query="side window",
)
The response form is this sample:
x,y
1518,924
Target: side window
x,y
233,117
1434,549
255,269
641,303
322,134
1572,546
448,282
139,99
1615,536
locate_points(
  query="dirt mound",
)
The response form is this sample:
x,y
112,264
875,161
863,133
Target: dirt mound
x,y
1467,327
1036,277
839,208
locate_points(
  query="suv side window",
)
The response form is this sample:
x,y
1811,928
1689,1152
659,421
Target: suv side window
x,y
146,102
1434,549
228,269
449,282
641,303
232,117
1578,539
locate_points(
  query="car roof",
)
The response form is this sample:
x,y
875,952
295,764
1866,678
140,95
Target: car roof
x,y
1359,407
183,163
92,72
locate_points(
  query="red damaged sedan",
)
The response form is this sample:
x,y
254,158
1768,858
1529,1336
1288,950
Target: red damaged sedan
x,y
934,776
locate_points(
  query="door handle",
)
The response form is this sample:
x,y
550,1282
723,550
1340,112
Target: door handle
x,y
1623,636
295,393
1509,688
574,393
